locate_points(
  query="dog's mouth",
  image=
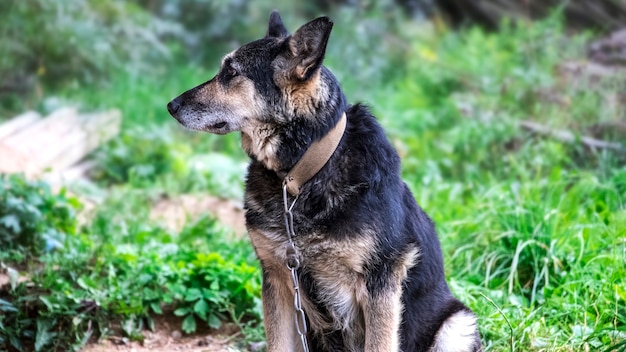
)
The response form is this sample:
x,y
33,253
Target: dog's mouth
x,y
218,128
218,125
198,120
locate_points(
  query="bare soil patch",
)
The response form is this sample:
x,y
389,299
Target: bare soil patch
x,y
175,212
167,337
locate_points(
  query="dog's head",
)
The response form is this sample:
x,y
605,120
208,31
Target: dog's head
x,y
272,79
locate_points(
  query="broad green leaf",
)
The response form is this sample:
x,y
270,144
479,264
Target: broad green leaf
x,y
15,342
189,324
44,336
156,307
193,294
201,308
150,323
7,306
214,321
12,222
47,302
181,311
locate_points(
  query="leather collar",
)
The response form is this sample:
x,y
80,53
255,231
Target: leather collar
x,y
314,158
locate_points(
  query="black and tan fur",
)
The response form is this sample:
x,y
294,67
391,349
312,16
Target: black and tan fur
x,y
371,270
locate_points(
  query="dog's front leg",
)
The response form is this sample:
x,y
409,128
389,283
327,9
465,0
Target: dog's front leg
x,y
383,313
277,294
279,311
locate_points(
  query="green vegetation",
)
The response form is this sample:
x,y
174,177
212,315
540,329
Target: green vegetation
x,y
533,229
117,267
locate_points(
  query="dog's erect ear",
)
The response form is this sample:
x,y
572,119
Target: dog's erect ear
x,y
308,46
276,28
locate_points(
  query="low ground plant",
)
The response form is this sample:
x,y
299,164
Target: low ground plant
x,y
114,274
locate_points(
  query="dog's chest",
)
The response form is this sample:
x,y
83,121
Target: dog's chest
x,y
333,279
337,295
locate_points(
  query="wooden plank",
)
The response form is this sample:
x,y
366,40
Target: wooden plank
x,y
41,136
18,123
58,141
19,150
12,161
94,130
71,174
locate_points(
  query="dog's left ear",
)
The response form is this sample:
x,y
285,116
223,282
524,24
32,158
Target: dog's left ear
x,y
308,46
276,28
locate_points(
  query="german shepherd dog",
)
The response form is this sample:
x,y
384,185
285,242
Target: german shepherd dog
x,y
371,271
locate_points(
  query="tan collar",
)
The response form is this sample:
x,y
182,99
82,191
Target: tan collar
x,y
314,158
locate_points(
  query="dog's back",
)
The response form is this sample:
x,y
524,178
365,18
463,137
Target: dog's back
x,y
370,264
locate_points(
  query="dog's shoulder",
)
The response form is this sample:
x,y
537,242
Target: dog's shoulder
x,y
365,160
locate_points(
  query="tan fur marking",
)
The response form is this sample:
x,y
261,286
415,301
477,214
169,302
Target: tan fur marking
x,y
277,294
383,313
240,105
261,143
270,247
338,270
301,97
406,262
382,321
239,98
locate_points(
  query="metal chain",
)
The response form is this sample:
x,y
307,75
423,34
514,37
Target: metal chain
x,y
293,263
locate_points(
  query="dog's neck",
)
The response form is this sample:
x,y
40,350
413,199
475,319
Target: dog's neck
x,y
279,145
262,145
280,149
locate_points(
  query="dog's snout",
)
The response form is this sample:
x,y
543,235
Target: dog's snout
x,y
173,106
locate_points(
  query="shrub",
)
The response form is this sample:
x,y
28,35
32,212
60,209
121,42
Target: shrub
x,y
32,217
67,42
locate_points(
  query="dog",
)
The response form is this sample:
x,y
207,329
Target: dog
x,y
368,264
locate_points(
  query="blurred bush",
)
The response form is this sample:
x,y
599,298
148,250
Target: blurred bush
x,y
200,21
53,43
32,217
139,156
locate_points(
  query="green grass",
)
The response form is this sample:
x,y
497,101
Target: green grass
x,y
536,225
533,229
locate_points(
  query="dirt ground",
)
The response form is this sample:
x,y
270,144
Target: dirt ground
x,y
167,337
173,213
164,342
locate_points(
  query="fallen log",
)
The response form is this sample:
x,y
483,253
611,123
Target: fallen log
x,y
569,137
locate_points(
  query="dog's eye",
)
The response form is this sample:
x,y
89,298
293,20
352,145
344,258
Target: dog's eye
x,y
231,72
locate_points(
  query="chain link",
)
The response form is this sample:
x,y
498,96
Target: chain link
x,y
293,263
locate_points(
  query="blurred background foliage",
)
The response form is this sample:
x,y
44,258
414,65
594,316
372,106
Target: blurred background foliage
x,y
48,45
531,223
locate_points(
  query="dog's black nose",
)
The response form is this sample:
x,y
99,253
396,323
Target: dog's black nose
x,y
173,106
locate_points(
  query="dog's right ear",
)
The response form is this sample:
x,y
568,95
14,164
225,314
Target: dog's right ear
x,y
308,46
276,28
